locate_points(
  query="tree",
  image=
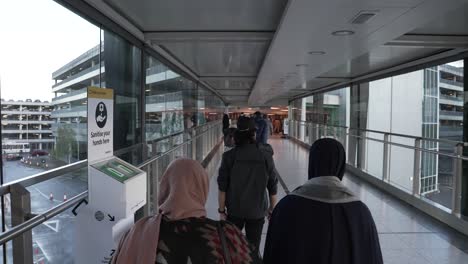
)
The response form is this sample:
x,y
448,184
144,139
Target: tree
x,y
66,138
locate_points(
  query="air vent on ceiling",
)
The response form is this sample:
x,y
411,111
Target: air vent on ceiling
x,y
363,17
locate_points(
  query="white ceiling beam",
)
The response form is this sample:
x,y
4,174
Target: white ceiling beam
x,y
109,12
228,78
387,71
429,41
174,37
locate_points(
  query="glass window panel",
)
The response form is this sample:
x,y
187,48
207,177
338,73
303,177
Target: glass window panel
x,y
123,74
44,115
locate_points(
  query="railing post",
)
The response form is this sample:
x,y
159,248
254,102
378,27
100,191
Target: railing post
x,y
194,145
345,139
362,150
457,181
20,210
155,180
292,129
317,132
311,139
296,129
358,149
417,167
149,191
385,158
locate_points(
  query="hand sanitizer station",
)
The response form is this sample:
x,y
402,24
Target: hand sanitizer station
x,y
116,188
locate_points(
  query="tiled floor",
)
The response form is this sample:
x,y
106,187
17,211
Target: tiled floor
x,y
406,234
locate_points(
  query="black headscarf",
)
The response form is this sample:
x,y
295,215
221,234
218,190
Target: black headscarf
x,y
225,122
327,157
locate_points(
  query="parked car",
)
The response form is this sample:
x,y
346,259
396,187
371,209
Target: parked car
x,y
11,157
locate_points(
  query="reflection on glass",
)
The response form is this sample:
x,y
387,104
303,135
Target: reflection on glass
x,y
427,103
123,74
174,104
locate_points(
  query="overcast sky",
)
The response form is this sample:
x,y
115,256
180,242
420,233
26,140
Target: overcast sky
x,y
37,37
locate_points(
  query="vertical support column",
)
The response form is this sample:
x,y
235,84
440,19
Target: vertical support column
x,y
457,180
464,180
385,158
21,126
40,127
291,128
301,122
20,210
417,167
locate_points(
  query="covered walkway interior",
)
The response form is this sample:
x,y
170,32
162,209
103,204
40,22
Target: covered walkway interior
x,y
406,234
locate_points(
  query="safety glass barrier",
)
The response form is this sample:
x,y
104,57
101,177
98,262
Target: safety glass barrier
x,y
39,218
201,142
429,169
45,243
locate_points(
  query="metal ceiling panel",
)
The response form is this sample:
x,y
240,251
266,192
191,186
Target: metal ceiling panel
x,y
231,85
214,59
240,98
379,59
451,23
307,27
234,92
201,15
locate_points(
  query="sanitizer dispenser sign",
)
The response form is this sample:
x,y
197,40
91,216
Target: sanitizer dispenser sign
x,y
100,123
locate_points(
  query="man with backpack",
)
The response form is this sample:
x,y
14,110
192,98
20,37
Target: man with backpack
x,y
247,182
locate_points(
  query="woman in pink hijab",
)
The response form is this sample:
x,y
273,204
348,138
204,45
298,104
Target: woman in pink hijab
x,y
181,233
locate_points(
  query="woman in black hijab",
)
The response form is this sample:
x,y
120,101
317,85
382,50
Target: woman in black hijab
x,y
322,222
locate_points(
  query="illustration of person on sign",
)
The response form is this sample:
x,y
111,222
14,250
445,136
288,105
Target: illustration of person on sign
x,y
101,115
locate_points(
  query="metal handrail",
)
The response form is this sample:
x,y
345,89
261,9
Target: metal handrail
x,y
411,147
387,133
39,219
43,176
414,190
57,172
174,148
188,130
399,144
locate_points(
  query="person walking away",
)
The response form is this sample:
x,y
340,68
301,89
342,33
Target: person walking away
x,y
323,222
225,123
269,124
277,125
241,115
229,142
262,128
247,182
181,233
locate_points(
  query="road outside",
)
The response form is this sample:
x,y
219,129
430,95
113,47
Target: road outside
x,y
52,240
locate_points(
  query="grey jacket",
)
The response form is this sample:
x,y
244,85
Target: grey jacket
x,y
248,175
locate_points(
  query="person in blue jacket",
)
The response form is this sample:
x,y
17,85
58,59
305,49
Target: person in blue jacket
x,y
262,128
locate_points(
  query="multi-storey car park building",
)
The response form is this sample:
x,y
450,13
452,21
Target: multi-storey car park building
x,y
450,116
70,89
26,122
163,98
